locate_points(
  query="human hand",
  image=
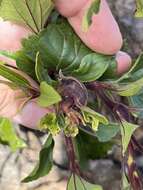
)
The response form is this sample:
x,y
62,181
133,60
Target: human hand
x,y
10,37
10,103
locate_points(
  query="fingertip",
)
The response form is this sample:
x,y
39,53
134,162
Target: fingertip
x,y
124,62
103,23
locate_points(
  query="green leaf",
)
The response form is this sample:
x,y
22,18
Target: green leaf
x,y
41,71
26,65
30,46
88,147
137,102
92,67
94,118
32,13
139,10
126,185
99,116
127,130
106,132
45,162
25,58
13,76
137,65
131,89
87,18
134,73
8,54
49,122
77,183
111,72
48,96
9,136
61,49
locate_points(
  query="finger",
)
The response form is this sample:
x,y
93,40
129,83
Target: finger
x,y
103,35
69,9
11,35
124,62
13,106
10,38
31,114
12,100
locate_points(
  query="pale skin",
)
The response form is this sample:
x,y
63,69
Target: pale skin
x,y
11,35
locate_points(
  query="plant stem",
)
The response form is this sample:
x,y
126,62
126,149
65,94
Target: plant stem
x,y
121,111
71,154
73,163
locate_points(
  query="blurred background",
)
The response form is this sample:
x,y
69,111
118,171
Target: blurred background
x,y
106,170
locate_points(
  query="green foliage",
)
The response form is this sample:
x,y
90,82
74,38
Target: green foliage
x,y
92,67
126,185
9,136
93,118
30,46
50,123
131,82
70,130
57,49
60,48
8,54
14,77
139,10
41,71
48,96
25,58
134,73
88,147
127,130
45,162
106,132
131,89
76,182
87,19
31,13
25,64
94,145
137,102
